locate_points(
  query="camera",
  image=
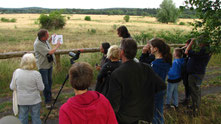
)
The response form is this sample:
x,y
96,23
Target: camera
x,y
50,58
74,56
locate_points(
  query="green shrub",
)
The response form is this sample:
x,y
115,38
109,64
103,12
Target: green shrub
x,y
87,18
13,20
176,36
126,18
52,21
182,23
92,31
114,27
8,20
68,18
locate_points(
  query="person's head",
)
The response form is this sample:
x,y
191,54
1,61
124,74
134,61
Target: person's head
x,y
43,35
178,53
123,32
158,46
28,61
104,47
81,75
128,48
113,53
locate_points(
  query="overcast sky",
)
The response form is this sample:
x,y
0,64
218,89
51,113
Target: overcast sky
x,y
85,4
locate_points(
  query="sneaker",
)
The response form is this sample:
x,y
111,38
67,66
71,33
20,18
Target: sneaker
x,y
47,105
175,107
168,106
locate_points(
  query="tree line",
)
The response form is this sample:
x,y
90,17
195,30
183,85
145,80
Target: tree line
x,y
186,13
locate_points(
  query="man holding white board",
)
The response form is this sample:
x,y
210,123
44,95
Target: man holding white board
x,y
45,57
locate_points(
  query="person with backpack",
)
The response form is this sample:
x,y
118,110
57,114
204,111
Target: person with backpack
x,y
174,77
103,77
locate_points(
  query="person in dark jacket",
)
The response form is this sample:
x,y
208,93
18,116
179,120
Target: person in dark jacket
x,y
186,100
103,77
132,87
161,65
146,56
103,49
196,68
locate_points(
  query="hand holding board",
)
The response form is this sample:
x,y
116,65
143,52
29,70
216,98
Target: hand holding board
x,y
55,39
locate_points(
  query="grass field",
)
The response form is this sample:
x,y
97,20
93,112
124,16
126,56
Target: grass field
x,y
20,36
77,32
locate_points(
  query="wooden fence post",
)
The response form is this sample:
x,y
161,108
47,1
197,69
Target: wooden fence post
x,y
58,61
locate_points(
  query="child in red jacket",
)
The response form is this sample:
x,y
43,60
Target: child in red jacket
x,y
86,107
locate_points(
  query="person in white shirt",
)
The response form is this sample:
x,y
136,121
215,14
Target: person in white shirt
x,y
28,83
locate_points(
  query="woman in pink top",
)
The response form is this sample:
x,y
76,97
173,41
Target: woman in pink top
x,y
86,107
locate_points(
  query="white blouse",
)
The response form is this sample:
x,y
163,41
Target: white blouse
x,y
28,84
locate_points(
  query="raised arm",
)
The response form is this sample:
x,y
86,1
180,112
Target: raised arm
x,y
54,49
189,46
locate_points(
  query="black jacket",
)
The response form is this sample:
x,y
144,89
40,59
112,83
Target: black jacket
x,y
147,58
103,77
132,89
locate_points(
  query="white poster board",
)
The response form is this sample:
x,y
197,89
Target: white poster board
x,y
55,39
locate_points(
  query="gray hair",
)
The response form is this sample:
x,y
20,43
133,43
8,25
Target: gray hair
x,y
113,52
28,61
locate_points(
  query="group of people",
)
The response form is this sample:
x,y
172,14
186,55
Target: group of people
x,y
128,90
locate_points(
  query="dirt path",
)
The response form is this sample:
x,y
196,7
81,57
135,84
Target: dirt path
x,y
204,91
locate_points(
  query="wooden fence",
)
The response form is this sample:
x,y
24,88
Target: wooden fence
x,y
58,53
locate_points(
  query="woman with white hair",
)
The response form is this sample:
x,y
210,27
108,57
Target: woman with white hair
x,y
103,77
27,83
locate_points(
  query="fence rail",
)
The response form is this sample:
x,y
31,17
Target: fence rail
x,y
9,55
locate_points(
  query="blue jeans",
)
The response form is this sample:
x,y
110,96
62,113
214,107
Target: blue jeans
x,y
35,113
172,91
46,75
158,107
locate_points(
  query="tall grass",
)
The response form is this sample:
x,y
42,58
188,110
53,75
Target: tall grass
x,y
210,113
10,65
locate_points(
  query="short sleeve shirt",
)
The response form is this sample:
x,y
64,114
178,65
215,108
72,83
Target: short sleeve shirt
x,y
41,50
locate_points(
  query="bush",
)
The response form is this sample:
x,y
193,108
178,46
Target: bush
x,y
114,27
126,18
87,18
52,21
92,31
8,20
68,18
176,36
182,23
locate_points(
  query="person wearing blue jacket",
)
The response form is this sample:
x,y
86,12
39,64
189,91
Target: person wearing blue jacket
x,y
174,77
161,66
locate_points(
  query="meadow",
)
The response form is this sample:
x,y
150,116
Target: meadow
x,y
78,33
